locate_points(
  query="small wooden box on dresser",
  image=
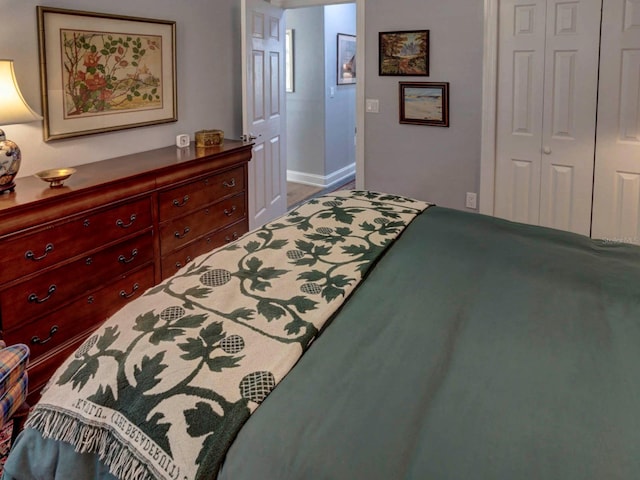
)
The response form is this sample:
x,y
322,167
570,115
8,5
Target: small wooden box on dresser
x,y
72,256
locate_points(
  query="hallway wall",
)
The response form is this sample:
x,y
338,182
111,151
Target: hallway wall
x,y
320,113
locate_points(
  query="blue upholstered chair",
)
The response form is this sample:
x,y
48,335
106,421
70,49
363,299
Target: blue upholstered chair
x,y
13,385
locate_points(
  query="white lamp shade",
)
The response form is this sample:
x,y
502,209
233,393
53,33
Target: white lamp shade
x,y
13,108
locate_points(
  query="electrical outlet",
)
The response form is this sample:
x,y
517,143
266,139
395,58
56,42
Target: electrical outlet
x,y
472,200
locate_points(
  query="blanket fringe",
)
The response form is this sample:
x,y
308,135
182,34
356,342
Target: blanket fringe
x,y
120,460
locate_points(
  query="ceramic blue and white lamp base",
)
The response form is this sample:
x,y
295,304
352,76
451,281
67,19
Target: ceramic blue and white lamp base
x,y
10,158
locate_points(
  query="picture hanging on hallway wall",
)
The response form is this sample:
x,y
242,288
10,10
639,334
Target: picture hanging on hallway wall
x,y
289,85
100,73
346,59
424,103
404,53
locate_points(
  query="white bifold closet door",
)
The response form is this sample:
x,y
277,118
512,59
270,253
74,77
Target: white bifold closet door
x,y
547,100
616,202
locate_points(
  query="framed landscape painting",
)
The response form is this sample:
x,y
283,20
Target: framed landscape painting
x,y
424,103
101,73
404,53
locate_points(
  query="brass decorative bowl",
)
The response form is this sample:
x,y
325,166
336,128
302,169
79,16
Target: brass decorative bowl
x,y
56,176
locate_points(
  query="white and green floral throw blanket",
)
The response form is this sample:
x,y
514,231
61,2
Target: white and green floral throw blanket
x,y
161,389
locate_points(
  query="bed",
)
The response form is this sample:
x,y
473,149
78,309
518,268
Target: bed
x,y
362,335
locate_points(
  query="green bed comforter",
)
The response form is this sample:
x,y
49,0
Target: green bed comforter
x,y
477,349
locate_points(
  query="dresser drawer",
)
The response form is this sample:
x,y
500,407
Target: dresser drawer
x,y
39,295
30,253
179,258
193,196
83,317
86,313
180,231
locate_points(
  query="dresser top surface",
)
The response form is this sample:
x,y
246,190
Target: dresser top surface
x,y
31,189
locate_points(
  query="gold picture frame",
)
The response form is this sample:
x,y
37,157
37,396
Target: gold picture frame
x,y
102,73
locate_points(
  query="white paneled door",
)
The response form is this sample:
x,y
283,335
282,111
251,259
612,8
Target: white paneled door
x,y
263,108
616,201
547,99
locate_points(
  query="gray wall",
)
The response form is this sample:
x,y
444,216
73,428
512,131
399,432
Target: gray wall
x,y
340,120
305,106
430,163
209,72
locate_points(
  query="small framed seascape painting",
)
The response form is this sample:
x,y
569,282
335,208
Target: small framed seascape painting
x,y
424,103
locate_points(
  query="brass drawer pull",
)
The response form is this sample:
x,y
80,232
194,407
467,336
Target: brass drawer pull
x,y
124,294
183,234
232,237
35,340
179,265
29,255
33,298
179,204
121,224
230,184
123,259
228,213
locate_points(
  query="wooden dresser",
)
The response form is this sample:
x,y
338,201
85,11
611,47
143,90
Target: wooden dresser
x,y
72,256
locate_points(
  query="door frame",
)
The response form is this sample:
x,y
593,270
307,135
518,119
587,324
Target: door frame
x,y
489,107
360,55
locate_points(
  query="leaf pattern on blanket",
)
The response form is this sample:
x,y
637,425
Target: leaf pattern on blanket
x,y
192,358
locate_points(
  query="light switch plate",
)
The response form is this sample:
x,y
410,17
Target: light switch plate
x,y
372,105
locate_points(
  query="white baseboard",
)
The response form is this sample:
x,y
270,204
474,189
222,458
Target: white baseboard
x,y
320,180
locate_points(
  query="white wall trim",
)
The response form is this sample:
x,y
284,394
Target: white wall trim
x,y
489,107
323,181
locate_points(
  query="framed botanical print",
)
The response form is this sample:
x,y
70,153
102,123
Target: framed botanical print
x,y
101,73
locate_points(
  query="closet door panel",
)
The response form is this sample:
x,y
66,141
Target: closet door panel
x,y
519,124
547,101
570,101
616,203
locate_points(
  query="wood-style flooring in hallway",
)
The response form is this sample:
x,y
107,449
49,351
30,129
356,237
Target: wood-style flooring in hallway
x,y
298,192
